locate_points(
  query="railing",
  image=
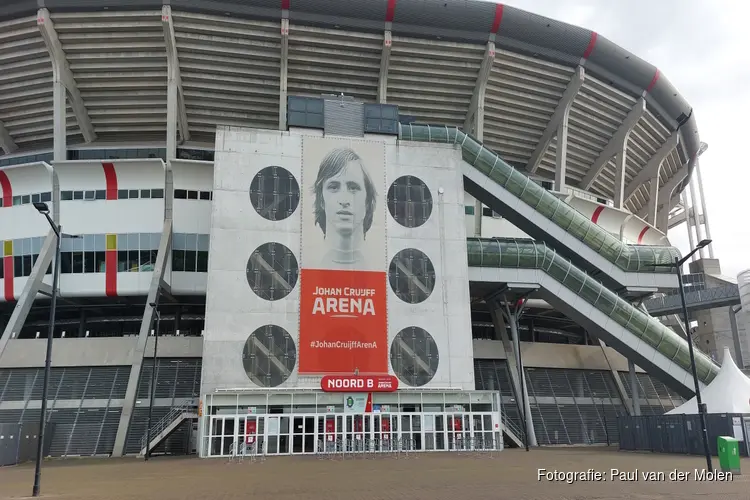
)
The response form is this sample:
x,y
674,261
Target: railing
x,y
174,413
696,300
511,425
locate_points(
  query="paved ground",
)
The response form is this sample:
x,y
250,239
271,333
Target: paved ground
x,y
511,474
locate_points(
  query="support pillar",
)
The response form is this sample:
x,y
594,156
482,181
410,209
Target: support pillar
x,y
653,202
561,152
738,357
530,432
30,290
284,75
621,158
157,277
634,396
618,381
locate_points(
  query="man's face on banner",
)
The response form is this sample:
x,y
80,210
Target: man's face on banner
x,y
344,199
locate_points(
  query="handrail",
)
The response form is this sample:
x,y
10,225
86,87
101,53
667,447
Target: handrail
x,y
163,423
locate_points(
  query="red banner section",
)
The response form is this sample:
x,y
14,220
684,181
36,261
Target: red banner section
x,y
343,322
359,383
251,431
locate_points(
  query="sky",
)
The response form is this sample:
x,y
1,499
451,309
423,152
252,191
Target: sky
x,y
703,47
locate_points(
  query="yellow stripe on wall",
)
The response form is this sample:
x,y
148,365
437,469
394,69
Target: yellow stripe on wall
x,y
111,242
8,248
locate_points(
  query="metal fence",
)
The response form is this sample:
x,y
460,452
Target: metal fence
x,y
681,434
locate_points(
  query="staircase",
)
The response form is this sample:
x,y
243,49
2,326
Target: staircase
x,y
511,430
167,425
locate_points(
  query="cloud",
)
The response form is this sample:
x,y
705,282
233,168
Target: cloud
x,y
704,49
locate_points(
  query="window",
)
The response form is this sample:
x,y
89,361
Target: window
x,y
190,252
469,209
157,193
192,195
100,194
180,194
204,195
122,194
66,195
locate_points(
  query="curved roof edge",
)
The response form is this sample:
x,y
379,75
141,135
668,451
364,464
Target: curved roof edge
x,y
464,20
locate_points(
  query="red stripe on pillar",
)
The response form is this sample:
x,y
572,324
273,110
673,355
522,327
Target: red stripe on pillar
x,y
591,45
653,81
110,273
110,176
597,213
285,4
642,234
7,189
498,18
390,11
8,280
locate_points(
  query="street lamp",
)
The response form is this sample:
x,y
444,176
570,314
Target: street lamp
x,y
677,265
152,396
43,209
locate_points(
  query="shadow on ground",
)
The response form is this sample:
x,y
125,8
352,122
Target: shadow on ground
x,y
511,474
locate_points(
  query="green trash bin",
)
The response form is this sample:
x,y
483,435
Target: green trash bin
x,y
729,454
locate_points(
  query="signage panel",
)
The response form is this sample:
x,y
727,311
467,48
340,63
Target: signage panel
x,y
359,383
343,258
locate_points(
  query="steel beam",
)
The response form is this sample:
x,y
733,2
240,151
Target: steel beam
x,y
174,78
558,116
34,284
474,122
385,61
615,144
284,72
653,166
128,404
61,73
6,141
666,191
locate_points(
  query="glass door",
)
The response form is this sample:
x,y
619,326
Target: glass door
x,y
329,433
277,439
384,431
252,433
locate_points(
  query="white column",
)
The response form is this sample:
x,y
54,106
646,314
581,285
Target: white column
x,y
653,201
59,119
704,209
561,153
621,158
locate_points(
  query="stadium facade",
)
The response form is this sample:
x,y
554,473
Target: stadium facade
x,y
348,226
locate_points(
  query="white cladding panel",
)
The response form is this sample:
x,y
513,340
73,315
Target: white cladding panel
x,y
234,312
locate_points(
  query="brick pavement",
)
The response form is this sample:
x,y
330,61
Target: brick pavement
x,y
511,474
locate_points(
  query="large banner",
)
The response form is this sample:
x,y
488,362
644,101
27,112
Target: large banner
x,y
343,322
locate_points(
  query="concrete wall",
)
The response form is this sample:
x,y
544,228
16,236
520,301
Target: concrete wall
x,y
541,355
111,351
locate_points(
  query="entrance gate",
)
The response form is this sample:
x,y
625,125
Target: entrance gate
x,y
284,434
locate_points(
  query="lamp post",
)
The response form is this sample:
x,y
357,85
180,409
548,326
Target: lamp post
x,y
152,395
43,209
677,265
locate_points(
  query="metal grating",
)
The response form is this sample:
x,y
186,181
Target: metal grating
x,y
328,61
433,80
80,382
175,378
230,69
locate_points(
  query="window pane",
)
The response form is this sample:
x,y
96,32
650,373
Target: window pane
x,y
122,261
133,261
78,262
36,198
100,194
66,195
191,262
180,194
89,195
178,260
122,194
133,194
77,195
46,197
204,195
99,262
88,262
202,262
25,199
145,194
157,193
192,195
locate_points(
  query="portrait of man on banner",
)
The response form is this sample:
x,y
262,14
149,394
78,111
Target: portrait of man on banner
x,y
344,199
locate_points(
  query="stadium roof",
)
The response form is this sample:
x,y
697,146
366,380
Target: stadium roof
x,y
230,55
